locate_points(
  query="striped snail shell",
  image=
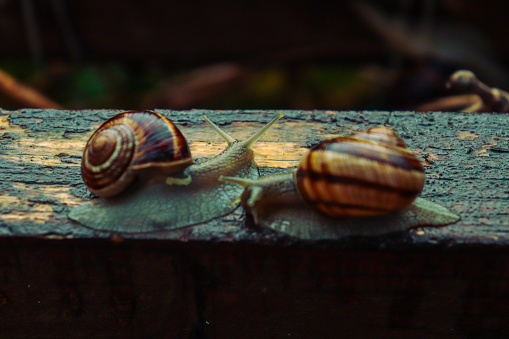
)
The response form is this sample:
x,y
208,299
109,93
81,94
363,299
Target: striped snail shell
x,y
367,173
366,183
132,143
172,192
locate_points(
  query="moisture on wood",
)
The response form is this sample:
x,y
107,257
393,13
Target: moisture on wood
x,y
225,278
40,152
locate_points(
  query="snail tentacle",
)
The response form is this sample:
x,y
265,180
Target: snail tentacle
x,y
189,195
244,182
229,139
363,184
254,138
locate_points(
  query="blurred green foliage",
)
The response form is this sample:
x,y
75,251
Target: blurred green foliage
x,y
116,85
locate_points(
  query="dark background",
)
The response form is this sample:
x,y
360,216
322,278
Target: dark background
x,y
239,54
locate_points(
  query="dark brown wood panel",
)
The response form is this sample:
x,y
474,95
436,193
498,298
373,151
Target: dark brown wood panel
x,y
140,289
227,279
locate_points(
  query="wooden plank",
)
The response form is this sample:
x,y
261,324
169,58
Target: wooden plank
x,y
79,289
222,278
464,157
69,291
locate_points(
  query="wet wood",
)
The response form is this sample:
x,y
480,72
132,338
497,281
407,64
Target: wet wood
x,y
224,277
463,155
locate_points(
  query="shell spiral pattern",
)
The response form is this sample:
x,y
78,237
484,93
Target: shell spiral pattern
x,y
366,173
128,144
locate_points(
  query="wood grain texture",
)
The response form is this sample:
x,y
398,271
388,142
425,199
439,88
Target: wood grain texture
x,y
100,289
465,157
226,279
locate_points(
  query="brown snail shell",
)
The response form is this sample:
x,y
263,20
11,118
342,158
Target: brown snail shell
x,y
190,196
367,173
129,144
366,184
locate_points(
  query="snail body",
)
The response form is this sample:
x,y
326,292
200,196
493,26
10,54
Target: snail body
x,y
162,196
487,99
366,183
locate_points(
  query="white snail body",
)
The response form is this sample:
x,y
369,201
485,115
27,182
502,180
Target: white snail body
x,y
161,196
363,184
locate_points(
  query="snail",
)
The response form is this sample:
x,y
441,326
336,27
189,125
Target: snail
x,y
474,96
140,164
366,183
488,99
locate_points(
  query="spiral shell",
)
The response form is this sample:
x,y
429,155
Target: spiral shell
x,y
366,173
129,144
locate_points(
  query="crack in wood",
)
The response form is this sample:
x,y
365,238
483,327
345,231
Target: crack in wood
x,y
41,149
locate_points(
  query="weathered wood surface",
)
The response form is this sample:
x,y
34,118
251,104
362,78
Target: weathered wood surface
x,y
465,156
224,279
